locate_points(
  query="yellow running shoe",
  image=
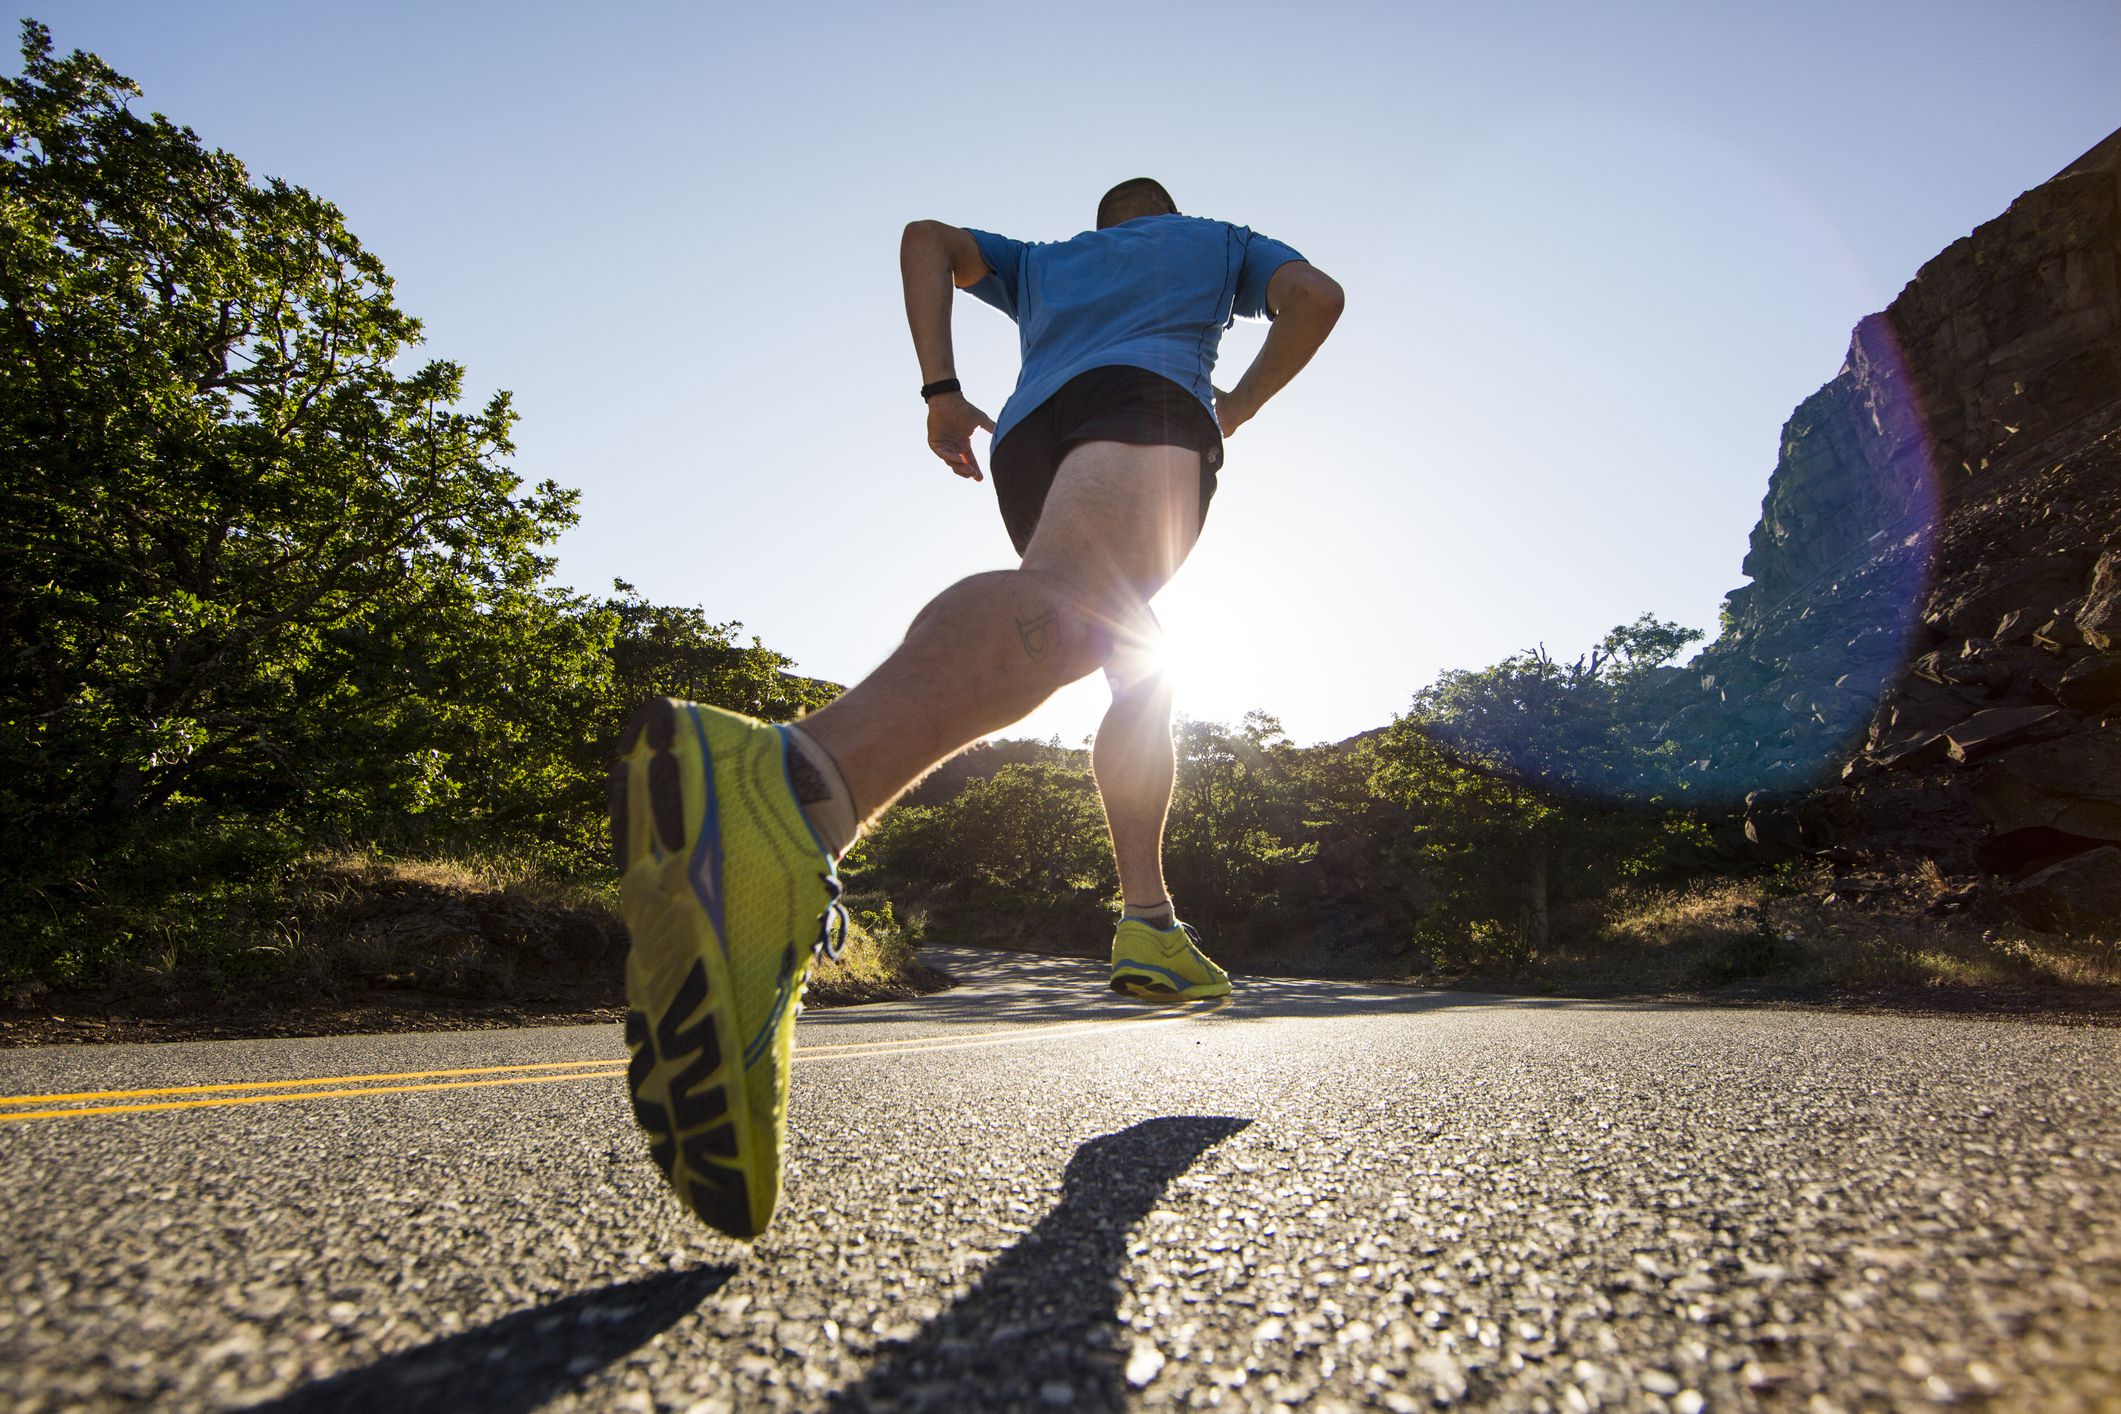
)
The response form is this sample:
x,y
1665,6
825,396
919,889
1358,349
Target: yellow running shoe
x,y
1164,964
728,895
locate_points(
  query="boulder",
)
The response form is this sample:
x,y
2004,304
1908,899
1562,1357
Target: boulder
x,y
1920,704
2017,626
1757,717
1691,726
1728,838
1986,732
1974,600
2082,894
2093,684
1923,748
1839,711
2060,633
1979,665
2042,681
2071,784
2100,618
1772,824
1876,647
1935,664
1824,818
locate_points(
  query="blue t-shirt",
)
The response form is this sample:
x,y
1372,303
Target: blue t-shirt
x,y
1155,292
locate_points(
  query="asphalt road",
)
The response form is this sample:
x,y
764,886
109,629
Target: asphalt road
x,y
1025,1193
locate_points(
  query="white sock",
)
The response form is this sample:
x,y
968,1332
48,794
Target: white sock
x,y
822,792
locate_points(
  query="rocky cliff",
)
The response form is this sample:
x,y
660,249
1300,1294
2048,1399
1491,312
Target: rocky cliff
x,y
1927,662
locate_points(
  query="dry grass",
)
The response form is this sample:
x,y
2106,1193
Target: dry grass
x,y
495,926
1814,930
878,961
490,927
355,941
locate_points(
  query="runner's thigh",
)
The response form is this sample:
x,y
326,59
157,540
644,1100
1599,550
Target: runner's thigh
x,y
1120,519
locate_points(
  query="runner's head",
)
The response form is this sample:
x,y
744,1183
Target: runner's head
x,y
1137,196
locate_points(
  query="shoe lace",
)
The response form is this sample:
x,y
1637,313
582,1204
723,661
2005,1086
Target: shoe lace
x,y
831,940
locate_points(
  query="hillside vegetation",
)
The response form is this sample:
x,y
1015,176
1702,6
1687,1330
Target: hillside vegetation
x,y
292,709
271,595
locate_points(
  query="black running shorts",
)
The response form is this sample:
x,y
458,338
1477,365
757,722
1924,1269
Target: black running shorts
x,y
1112,404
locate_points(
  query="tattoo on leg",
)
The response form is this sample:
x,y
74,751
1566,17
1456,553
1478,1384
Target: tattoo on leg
x,y
1039,633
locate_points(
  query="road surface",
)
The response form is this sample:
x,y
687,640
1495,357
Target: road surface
x,y
1026,1193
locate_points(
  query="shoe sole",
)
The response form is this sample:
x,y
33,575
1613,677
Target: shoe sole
x,y
686,1077
1137,986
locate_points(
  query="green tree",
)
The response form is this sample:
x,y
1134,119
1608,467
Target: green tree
x,y
1229,809
1482,838
660,650
1529,782
1632,652
1030,827
1036,828
264,584
236,538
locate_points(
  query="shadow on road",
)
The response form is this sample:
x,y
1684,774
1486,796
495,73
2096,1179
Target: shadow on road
x,y
1002,988
1045,1315
519,1361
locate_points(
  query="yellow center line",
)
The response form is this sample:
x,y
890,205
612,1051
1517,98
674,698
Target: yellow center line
x,y
204,1096
314,1080
220,1100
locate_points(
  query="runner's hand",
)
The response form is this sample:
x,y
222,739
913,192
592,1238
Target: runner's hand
x,y
951,422
1229,415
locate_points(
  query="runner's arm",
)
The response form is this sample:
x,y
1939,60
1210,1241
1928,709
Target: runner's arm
x,y
933,258
1304,303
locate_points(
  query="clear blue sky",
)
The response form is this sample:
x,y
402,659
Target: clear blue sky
x,y
1594,255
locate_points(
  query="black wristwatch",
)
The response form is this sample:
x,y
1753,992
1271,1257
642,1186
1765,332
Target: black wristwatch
x,y
941,385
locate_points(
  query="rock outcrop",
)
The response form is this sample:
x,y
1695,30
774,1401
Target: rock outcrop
x,y
1927,662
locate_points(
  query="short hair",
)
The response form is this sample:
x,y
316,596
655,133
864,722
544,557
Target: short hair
x,y
1128,200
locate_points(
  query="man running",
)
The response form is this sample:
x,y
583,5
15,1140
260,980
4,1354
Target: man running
x,y
727,830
